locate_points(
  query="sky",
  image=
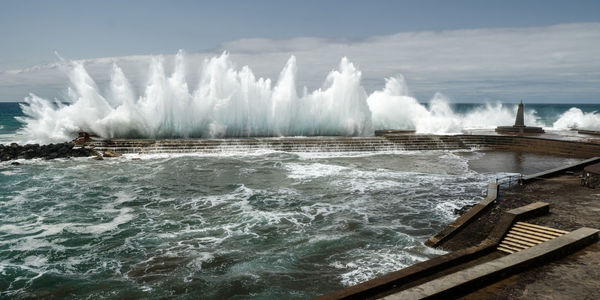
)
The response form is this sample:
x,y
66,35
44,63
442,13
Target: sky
x,y
472,51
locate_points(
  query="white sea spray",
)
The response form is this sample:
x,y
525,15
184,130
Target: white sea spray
x,y
228,101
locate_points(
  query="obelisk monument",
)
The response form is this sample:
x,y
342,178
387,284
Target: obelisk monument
x,y
519,126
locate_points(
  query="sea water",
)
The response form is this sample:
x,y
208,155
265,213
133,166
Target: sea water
x,y
257,224
254,224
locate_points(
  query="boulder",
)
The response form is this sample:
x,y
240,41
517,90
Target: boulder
x,y
110,154
50,151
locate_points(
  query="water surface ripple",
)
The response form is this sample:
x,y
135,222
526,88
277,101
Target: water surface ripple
x,y
253,225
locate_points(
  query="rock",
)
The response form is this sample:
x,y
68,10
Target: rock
x,y
50,151
98,157
83,138
15,163
111,154
136,158
29,154
463,210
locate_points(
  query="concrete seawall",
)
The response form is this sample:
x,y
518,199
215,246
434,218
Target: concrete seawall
x,y
497,142
388,142
465,219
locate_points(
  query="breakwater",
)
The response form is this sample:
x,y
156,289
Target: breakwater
x,y
50,151
387,142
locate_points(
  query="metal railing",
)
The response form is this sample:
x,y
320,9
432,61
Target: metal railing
x,y
509,180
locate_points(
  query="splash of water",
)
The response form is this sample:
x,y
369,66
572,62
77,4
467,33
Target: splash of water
x,y
575,118
393,107
230,102
227,102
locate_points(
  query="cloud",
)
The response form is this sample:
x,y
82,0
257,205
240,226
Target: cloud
x,y
543,64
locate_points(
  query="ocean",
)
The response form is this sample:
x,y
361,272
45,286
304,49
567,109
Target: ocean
x,y
260,225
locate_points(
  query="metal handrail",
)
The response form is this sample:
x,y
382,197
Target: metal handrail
x,y
509,180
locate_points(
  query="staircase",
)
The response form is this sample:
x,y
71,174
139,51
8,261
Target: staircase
x,y
288,144
524,235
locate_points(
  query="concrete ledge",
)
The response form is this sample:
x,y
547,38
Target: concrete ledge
x,y
515,215
530,210
393,131
462,221
559,170
592,132
459,283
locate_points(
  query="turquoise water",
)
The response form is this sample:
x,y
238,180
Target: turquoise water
x,y
8,124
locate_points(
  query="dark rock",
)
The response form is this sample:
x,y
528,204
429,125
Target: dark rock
x,y
463,210
50,151
29,154
15,163
98,157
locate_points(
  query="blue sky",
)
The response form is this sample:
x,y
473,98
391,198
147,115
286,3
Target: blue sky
x,y
33,30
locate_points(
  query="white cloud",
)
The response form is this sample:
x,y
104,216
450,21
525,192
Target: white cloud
x,y
551,63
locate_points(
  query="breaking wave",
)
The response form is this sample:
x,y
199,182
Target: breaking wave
x,y
232,102
576,118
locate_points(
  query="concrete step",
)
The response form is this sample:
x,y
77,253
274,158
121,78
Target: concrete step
x,y
524,235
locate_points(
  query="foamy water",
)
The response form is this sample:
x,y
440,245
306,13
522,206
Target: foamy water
x,y
233,102
265,224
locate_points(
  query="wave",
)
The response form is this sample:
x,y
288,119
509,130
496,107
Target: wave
x,y
230,102
575,118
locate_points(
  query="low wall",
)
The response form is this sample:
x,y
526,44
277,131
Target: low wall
x,y
465,219
497,142
559,170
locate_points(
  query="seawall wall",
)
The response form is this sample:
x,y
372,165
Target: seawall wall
x,y
388,142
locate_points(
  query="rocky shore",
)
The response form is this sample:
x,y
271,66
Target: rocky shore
x,y
50,151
